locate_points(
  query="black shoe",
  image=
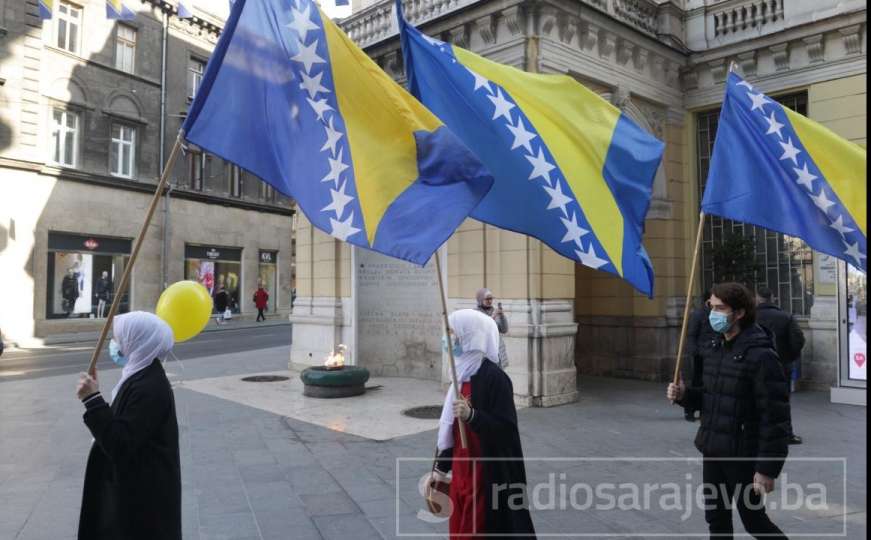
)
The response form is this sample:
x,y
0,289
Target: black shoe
x,y
795,439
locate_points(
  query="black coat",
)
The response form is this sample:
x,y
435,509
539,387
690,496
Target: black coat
x,y
133,478
699,333
744,401
788,337
495,423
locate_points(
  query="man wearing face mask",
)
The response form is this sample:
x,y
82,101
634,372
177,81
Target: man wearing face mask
x,y
745,415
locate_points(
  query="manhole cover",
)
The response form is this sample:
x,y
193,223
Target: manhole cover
x,y
427,412
265,378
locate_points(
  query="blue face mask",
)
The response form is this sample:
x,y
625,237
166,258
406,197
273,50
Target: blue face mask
x,y
115,353
719,322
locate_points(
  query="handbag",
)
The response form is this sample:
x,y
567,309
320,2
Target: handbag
x,y
228,314
436,492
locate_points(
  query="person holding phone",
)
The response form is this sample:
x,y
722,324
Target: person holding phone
x,y
485,301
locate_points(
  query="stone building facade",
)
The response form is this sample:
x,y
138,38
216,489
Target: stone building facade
x,y
89,111
664,64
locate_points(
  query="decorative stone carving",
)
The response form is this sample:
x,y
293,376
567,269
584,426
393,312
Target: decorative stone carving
x,y
625,51
718,70
589,35
852,36
486,27
640,61
747,61
567,27
689,79
780,55
514,18
460,36
815,48
672,74
547,20
607,43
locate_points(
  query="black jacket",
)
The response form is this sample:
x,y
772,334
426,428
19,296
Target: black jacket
x,y
133,478
788,337
495,423
699,332
744,401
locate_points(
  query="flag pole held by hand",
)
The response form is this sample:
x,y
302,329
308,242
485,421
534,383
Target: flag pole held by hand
x,y
443,295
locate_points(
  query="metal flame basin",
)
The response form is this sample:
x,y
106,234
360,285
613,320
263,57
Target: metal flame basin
x,y
323,382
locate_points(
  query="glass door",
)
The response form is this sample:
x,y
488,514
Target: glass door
x,y
853,309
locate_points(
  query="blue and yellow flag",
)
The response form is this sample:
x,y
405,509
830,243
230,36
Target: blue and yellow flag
x,y
115,9
570,168
288,96
775,168
45,9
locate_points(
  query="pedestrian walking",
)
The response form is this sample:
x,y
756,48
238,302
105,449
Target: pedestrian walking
x,y
745,411
261,299
788,338
699,336
221,301
133,478
485,305
488,496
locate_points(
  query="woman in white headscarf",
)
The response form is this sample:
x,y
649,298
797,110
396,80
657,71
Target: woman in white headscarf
x,y
133,477
487,408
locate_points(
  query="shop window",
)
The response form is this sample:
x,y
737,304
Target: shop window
x,y
68,24
125,48
122,153
267,276
219,269
196,70
64,137
782,263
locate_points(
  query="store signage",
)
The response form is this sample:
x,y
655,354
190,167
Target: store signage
x,y
91,244
213,253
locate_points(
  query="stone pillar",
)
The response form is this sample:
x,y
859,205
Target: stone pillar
x,y
322,313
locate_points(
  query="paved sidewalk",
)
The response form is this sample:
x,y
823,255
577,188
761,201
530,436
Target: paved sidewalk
x,y
251,474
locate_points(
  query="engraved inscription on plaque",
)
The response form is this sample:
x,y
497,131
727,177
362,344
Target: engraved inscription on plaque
x,y
398,317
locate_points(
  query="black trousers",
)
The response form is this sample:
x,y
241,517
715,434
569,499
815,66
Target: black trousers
x,y
260,315
728,483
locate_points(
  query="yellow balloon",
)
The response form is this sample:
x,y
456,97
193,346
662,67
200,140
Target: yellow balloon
x,y
186,307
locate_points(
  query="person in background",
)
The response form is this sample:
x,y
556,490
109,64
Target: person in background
x,y
485,305
70,290
104,292
745,414
132,487
788,338
699,335
261,298
221,300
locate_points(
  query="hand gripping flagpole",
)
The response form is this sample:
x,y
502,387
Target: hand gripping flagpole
x,y
691,281
443,296
128,269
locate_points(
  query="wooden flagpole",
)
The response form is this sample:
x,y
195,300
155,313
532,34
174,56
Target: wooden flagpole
x,y
692,278
128,270
443,295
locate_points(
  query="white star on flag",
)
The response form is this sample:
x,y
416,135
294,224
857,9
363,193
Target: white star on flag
x,y
853,252
822,202
774,126
337,167
302,22
320,107
574,232
480,82
308,56
312,85
590,258
805,178
540,165
333,137
432,41
503,106
758,101
745,83
839,226
558,199
339,201
789,151
343,229
521,136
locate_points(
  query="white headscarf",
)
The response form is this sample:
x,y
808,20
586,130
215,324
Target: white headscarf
x,y
479,338
142,337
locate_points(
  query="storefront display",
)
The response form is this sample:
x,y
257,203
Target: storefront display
x,y
857,324
82,271
268,276
219,269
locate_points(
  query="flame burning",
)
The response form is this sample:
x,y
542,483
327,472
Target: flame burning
x,y
336,359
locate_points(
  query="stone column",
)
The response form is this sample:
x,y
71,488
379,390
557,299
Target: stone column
x,y
322,312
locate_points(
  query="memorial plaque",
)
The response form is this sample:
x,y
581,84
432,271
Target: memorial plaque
x,y
398,317
827,269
